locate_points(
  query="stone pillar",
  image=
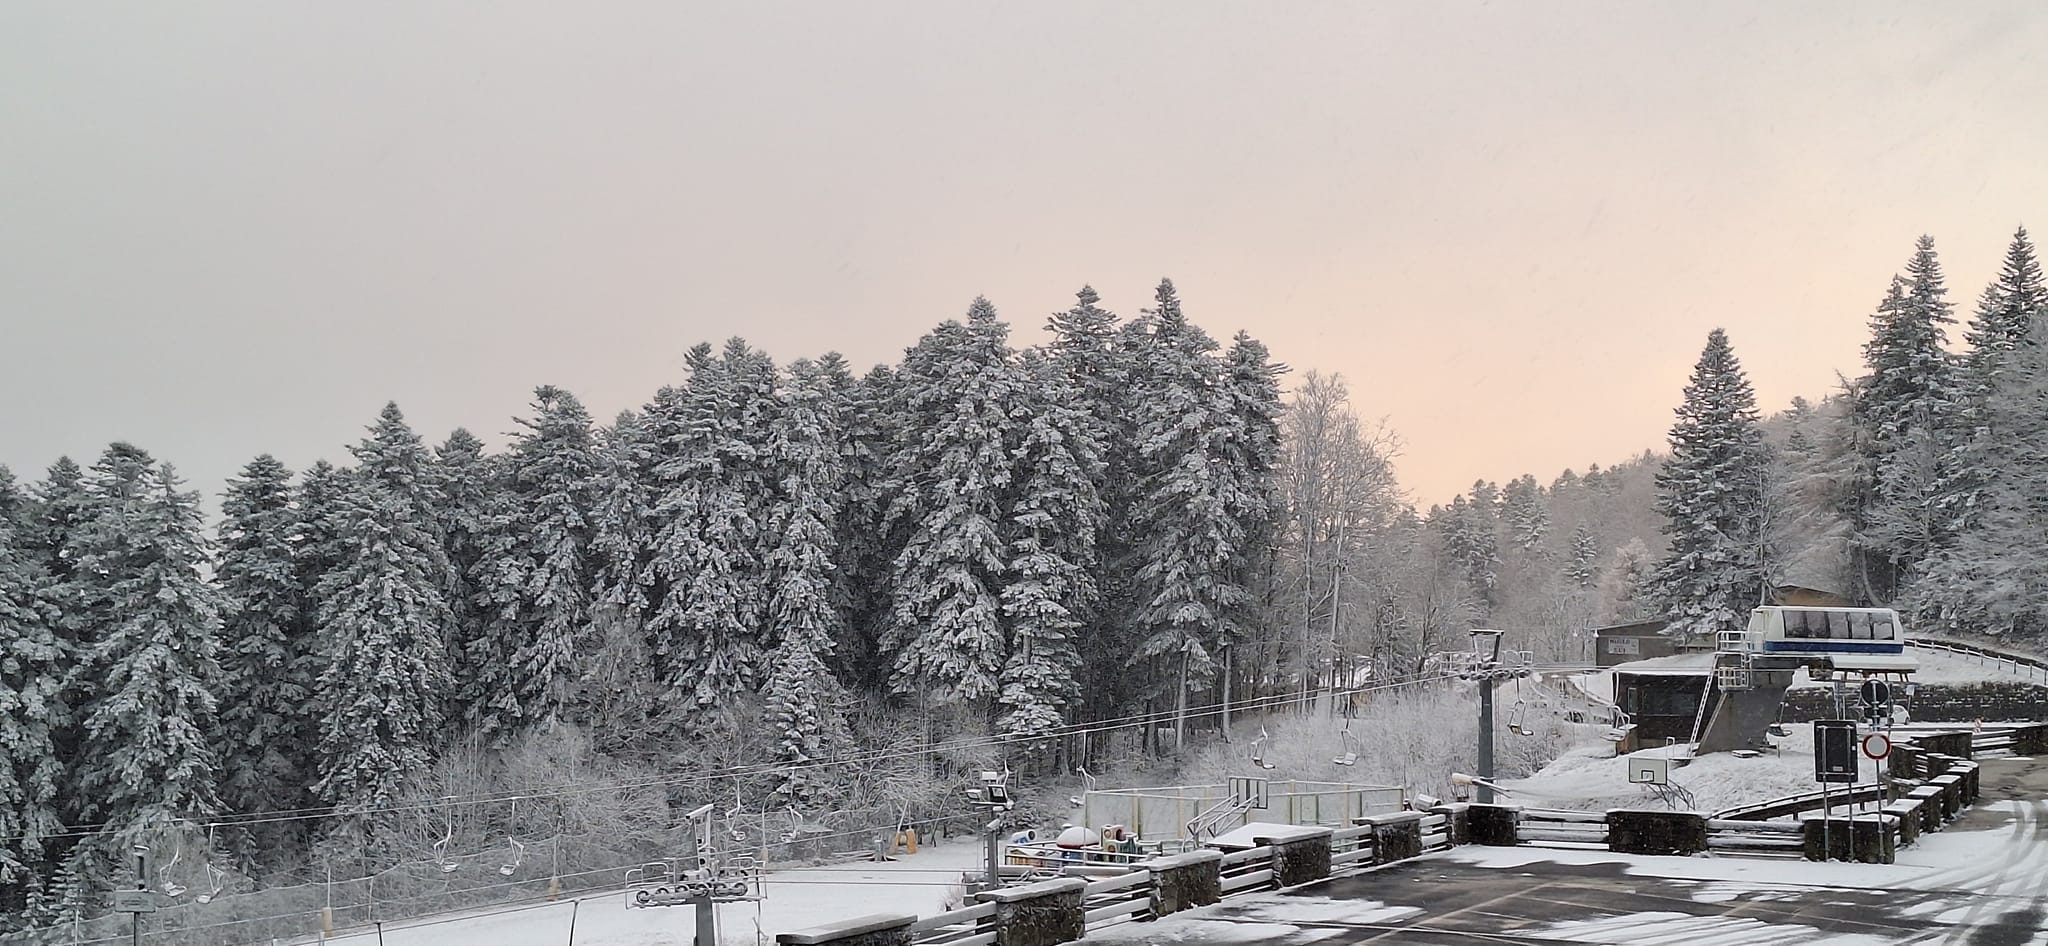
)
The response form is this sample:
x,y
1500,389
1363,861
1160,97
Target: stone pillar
x,y
1395,837
1185,881
876,929
1494,825
1951,786
2030,740
1646,831
1908,813
1040,914
1299,856
1973,783
1457,825
1865,840
1927,802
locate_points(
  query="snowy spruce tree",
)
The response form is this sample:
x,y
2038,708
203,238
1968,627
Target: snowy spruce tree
x,y
553,469
804,699
1710,492
1579,571
619,677
708,555
144,692
1950,593
1051,532
864,541
945,632
383,621
268,661
464,504
1905,408
32,668
1188,537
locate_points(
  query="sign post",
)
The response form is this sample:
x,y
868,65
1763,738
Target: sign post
x,y
1834,760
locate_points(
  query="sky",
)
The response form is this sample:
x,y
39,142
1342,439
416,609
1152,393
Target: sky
x,y
236,228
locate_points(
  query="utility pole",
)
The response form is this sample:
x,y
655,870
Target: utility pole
x,y
141,883
1487,671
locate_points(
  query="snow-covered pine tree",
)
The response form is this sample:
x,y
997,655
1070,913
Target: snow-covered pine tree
x,y
1094,350
803,697
1249,444
864,546
1051,532
1469,539
1578,567
32,713
59,508
383,619
714,483
1711,494
1946,596
466,501
620,689
554,469
1522,509
945,635
1906,408
145,692
268,663
1188,537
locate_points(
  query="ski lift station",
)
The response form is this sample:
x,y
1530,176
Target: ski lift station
x,y
1166,812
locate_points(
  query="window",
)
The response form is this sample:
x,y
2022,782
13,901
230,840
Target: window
x,y
1838,624
1859,625
1882,628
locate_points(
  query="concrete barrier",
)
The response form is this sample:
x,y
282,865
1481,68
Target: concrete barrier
x,y
1910,820
875,929
1633,831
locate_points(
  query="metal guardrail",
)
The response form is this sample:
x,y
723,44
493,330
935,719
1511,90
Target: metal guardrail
x,y
1801,803
2023,666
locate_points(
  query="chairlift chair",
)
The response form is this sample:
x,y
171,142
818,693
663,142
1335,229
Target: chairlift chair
x,y
216,879
441,858
1259,750
164,881
1350,756
518,849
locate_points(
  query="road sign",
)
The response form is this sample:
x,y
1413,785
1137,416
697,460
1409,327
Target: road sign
x,y
1875,693
134,901
1877,745
1834,750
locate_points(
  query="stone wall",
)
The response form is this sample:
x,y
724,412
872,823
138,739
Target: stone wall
x,y
1656,832
2014,702
877,929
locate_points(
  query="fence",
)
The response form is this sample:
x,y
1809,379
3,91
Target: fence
x,y
1066,909
1164,812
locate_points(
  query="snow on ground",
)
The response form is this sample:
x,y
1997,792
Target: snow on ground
x,y
1593,778
795,899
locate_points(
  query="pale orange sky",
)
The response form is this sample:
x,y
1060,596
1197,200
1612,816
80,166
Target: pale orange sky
x,y
229,228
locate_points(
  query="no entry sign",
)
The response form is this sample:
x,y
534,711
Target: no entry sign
x,y
1877,745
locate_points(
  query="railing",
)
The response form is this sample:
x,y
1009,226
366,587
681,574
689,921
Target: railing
x,y
1436,833
1801,803
1117,899
1246,869
1756,838
967,926
1350,846
1554,827
2019,665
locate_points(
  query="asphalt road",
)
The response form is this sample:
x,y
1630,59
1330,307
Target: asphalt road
x,y
1983,881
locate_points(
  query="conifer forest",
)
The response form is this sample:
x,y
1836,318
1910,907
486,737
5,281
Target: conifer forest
x,y
787,584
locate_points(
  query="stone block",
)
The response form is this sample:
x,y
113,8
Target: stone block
x,y
1494,825
1910,821
1645,831
1866,839
875,929
1185,881
1299,857
1395,837
1040,914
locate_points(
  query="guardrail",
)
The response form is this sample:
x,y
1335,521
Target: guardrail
x,y
1794,805
2019,665
1561,828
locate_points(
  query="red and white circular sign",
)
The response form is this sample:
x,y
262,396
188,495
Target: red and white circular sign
x,y
1877,745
